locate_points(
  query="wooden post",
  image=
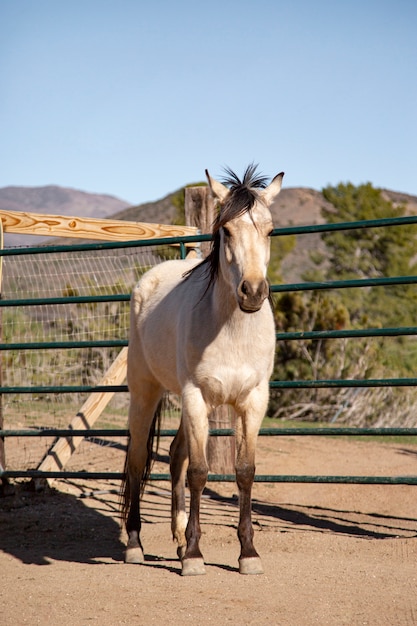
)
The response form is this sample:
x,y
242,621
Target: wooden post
x,y
64,448
199,212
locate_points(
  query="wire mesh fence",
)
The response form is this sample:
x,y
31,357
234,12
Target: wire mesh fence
x,y
69,277
55,275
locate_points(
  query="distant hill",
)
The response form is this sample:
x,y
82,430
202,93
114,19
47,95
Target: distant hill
x,y
297,206
58,201
294,206
158,212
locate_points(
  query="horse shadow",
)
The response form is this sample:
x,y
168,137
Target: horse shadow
x,y
337,521
293,517
37,528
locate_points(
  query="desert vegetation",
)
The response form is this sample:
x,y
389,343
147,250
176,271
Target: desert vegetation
x,y
358,253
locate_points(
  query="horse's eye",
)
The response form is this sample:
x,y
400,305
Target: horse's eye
x,y
226,231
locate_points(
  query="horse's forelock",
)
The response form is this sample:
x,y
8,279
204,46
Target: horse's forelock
x,y
241,199
251,179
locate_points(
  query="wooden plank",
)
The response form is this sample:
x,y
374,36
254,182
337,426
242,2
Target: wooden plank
x,y
87,228
62,450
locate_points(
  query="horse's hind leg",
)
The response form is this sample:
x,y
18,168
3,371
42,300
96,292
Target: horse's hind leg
x,y
178,467
142,413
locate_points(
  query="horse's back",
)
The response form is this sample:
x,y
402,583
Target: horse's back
x,y
158,282
155,317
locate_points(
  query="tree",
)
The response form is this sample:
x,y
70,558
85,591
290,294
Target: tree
x,y
373,253
358,253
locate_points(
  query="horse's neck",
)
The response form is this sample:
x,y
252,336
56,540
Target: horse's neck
x,y
225,309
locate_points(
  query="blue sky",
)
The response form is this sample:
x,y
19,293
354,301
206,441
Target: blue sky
x,y
135,99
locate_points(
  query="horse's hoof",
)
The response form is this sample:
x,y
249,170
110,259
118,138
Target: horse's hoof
x,y
193,567
134,555
181,552
251,565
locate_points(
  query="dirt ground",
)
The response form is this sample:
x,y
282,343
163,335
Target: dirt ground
x,y
332,554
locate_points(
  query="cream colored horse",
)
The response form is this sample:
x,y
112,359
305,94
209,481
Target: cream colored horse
x,y
204,330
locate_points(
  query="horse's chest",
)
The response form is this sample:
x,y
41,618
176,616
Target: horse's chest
x,y
231,376
228,362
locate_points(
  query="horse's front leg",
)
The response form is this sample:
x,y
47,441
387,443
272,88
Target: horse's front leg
x,y
196,431
249,559
247,428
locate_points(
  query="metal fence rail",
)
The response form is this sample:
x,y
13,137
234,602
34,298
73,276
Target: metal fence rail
x,y
225,432
229,478
219,432
274,384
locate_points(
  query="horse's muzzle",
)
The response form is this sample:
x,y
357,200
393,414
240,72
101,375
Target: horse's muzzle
x,y
251,295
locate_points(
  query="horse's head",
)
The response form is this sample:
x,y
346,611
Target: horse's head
x,y
241,235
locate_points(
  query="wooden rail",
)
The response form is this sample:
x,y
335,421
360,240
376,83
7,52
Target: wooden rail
x,y
87,228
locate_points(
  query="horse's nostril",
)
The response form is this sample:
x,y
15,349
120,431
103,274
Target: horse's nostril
x,y
253,290
252,294
244,288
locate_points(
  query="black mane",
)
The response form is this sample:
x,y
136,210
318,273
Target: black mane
x,y
242,194
241,198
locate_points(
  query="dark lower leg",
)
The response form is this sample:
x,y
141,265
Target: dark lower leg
x,y
133,523
197,478
178,468
143,425
244,478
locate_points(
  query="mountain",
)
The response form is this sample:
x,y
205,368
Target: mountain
x,y
58,201
296,206
293,206
159,212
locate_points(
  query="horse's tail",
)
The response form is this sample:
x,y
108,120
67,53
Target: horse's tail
x,y
152,451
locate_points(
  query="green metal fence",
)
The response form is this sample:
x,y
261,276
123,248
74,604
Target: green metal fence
x,y
298,384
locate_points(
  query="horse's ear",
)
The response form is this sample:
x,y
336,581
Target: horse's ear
x,y
270,193
218,190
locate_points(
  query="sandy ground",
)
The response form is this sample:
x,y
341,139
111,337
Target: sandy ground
x,y
332,554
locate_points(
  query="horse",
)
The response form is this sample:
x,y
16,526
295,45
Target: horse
x,y
204,329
